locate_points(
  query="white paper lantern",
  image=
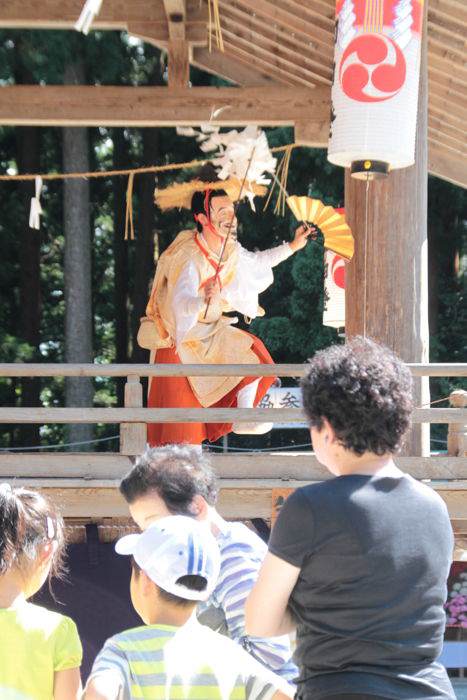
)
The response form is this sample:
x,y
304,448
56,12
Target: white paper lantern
x,y
375,87
334,290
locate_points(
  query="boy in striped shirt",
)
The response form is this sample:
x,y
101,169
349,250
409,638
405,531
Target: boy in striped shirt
x,y
175,564
179,480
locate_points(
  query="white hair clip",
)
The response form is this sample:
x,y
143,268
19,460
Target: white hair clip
x,y
50,528
5,488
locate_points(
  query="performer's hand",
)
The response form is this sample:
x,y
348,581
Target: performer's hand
x,y
302,233
212,289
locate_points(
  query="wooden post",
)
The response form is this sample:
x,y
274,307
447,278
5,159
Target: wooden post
x,y
133,435
457,433
178,63
387,280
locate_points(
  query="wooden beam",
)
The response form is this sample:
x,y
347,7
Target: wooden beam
x,y
114,14
175,11
446,167
159,106
237,499
157,33
298,466
178,53
13,415
313,137
70,369
231,67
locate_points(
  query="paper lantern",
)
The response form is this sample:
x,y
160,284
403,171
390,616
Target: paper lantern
x,y
375,87
334,290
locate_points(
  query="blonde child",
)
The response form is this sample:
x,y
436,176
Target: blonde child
x,y
40,649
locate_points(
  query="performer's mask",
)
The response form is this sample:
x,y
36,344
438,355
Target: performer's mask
x,y
220,214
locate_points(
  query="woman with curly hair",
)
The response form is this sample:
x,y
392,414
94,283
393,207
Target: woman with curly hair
x,y
358,563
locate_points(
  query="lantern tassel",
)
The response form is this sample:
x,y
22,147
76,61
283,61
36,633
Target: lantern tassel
x,y
36,209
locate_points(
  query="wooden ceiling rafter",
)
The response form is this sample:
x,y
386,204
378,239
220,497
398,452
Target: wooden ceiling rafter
x,y
457,103
441,125
457,87
256,26
454,11
265,63
322,8
450,106
270,12
445,25
276,60
441,40
266,47
445,53
449,150
231,66
440,112
454,145
306,11
262,64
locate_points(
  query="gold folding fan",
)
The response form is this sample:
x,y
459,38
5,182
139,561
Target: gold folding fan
x,y
336,233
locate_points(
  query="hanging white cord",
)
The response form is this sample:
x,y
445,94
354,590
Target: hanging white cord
x,y
89,12
366,254
36,209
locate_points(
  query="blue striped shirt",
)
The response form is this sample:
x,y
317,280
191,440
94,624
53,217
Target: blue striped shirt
x,y
242,553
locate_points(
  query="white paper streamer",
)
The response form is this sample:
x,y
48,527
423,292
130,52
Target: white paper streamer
x,y
233,150
90,10
36,209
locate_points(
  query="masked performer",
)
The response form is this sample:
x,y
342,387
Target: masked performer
x,y
177,329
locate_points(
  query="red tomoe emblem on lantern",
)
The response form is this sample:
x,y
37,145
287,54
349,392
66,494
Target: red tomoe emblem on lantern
x,y
372,68
338,271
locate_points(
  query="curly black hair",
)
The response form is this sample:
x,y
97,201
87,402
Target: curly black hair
x,y
364,391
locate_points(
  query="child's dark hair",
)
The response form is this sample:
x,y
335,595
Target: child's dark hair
x,y
364,391
28,520
190,581
177,473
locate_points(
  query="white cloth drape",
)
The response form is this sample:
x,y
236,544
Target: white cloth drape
x,y
253,275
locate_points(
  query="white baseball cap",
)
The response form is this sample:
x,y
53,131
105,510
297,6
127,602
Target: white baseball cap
x,y
173,547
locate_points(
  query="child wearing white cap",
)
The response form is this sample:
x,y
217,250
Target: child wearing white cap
x,y
175,565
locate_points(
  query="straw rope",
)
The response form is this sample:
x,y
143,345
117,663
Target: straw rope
x,y
115,173
131,172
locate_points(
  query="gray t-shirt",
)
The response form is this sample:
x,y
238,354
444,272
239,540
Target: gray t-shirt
x,y
374,554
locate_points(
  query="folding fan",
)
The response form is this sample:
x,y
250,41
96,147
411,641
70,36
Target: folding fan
x,y
336,233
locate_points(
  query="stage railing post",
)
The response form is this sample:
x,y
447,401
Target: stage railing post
x,y
457,432
133,435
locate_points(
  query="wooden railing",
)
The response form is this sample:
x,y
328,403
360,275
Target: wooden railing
x,y
85,482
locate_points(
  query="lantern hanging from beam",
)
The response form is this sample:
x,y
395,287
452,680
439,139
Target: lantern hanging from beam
x,y
375,87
